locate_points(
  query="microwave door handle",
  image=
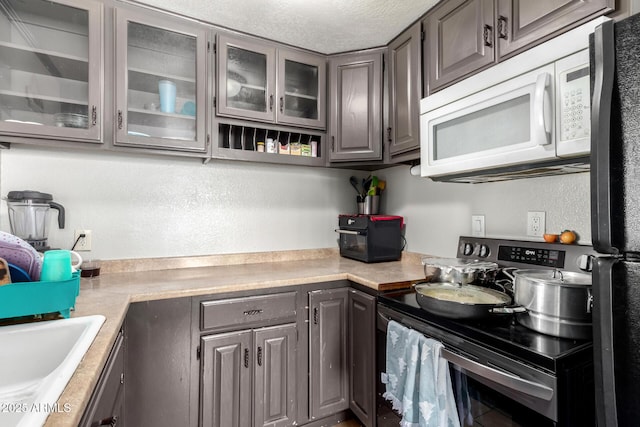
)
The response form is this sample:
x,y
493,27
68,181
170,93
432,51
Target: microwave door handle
x,y
505,379
541,134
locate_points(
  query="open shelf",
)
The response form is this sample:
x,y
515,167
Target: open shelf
x,y
240,142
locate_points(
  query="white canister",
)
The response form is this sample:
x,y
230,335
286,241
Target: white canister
x,y
271,145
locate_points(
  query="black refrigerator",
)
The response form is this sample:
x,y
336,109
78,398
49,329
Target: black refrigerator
x,y
615,219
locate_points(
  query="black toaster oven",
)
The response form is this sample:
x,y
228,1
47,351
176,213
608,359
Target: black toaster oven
x,y
370,238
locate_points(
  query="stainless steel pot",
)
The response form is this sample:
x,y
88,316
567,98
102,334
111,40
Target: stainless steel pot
x,y
456,301
457,270
558,302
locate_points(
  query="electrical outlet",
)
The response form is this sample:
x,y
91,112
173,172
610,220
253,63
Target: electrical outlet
x,y
82,243
535,224
477,225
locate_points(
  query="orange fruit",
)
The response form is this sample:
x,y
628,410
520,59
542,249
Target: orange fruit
x,y
550,238
567,237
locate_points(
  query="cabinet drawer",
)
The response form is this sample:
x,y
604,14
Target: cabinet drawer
x,y
241,312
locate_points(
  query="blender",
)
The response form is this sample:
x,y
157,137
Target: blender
x,y
29,216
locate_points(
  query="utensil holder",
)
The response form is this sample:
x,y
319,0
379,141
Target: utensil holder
x,y
371,205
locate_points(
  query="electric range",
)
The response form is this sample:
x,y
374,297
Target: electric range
x,y
543,375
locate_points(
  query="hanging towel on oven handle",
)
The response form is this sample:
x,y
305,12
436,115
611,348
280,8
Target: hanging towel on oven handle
x,y
417,379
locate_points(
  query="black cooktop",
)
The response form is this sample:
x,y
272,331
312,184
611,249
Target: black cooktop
x,y
500,333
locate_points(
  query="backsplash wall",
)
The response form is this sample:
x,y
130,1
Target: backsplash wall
x,y
438,213
153,206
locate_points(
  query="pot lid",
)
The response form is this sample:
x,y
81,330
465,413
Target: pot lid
x,y
35,196
462,294
555,277
460,264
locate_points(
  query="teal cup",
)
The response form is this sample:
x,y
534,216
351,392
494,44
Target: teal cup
x,y
167,90
56,266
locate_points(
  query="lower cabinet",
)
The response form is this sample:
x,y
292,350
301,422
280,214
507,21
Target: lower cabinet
x,y
229,363
106,407
342,353
248,375
329,386
362,360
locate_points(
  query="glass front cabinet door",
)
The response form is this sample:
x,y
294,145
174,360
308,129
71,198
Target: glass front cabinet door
x,y
259,82
301,89
51,69
160,83
246,84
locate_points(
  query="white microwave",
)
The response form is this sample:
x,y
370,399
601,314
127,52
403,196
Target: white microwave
x,y
519,124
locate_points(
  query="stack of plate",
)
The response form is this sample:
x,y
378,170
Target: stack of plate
x,y
20,254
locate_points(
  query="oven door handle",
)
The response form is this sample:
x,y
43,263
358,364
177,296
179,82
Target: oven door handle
x,y
510,381
352,232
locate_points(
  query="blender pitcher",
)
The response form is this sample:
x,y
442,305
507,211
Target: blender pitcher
x,y
29,216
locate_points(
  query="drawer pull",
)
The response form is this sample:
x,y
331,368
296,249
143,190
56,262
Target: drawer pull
x,y
111,421
253,312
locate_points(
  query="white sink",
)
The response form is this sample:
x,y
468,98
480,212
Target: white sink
x,y
36,362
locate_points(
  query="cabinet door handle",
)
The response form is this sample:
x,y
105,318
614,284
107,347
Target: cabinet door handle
x,y
488,35
94,115
259,355
315,315
246,357
119,119
270,102
389,134
282,104
111,421
502,27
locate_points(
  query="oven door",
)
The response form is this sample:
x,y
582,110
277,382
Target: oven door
x,y
507,124
353,243
489,388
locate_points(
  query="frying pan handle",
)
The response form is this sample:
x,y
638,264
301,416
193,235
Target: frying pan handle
x,y
508,310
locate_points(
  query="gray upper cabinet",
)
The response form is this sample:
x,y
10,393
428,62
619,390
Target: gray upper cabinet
x,y
459,40
302,88
466,36
246,79
362,350
160,82
355,129
256,81
329,388
520,23
51,69
405,91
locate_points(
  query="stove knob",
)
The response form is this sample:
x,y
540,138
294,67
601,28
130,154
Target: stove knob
x,y
468,249
484,251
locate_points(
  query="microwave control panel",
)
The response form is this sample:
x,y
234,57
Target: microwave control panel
x,y
574,103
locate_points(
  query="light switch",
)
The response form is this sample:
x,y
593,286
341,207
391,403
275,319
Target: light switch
x,y
477,226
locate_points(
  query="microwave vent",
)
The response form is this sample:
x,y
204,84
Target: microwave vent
x,y
509,173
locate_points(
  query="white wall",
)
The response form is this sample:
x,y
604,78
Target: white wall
x,y
152,206
436,214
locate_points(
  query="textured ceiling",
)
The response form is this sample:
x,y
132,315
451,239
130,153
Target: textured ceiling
x,y
325,26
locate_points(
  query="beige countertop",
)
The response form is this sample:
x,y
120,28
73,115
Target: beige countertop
x,y
127,281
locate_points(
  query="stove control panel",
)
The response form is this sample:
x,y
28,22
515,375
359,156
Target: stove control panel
x,y
544,257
